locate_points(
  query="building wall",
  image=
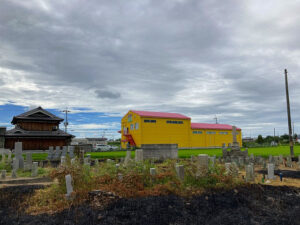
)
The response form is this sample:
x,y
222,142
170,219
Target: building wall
x,y
212,138
37,126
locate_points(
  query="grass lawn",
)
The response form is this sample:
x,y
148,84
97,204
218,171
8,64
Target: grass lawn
x,y
186,153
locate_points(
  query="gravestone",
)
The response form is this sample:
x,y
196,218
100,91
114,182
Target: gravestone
x,y
63,160
50,153
212,161
139,155
69,186
71,152
57,153
249,173
252,158
271,159
180,171
28,160
73,161
152,171
34,171
96,162
235,147
64,151
288,161
271,171
18,154
9,157
15,164
241,161
203,161
127,158
3,174
3,158
13,174
280,159
227,168
86,162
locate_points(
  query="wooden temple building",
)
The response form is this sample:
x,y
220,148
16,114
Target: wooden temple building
x,y
37,129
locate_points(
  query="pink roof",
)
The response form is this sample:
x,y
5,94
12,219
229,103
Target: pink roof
x,y
212,126
160,114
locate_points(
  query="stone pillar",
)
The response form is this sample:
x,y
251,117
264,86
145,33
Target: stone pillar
x,y
69,185
203,160
9,156
180,171
34,171
3,158
18,154
228,168
280,159
15,164
50,153
63,160
289,161
212,161
29,160
128,157
13,174
96,162
271,171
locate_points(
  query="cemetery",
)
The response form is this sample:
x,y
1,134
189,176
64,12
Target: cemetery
x,y
153,187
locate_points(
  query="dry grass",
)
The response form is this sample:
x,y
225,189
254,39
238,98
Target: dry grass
x,y
134,182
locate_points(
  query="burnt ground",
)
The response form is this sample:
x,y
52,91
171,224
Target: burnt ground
x,y
285,173
252,204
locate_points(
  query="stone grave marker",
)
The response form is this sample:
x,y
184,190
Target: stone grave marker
x,y
249,173
212,161
180,171
13,174
34,171
69,186
281,159
63,160
71,152
15,164
3,158
127,158
9,156
152,171
241,161
228,168
289,161
18,154
57,153
73,161
28,160
139,155
271,159
64,151
271,171
3,174
50,153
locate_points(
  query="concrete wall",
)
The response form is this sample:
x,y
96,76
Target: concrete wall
x,y
160,151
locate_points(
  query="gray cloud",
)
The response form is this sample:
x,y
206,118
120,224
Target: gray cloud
x,y
107,94
199,58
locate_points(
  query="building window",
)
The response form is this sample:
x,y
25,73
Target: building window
x,y
174,122
129,118
150,121
131,127
136,126
210,132
223,132
197,132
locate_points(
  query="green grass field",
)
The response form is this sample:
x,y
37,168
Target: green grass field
x,y
186,153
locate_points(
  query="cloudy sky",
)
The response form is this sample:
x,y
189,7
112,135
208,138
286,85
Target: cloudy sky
x,y
103,58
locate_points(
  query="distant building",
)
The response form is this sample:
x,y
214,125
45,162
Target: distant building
x,y
248,139
37,129
90,141
142,127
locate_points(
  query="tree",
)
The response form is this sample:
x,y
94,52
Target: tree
x,y
260,139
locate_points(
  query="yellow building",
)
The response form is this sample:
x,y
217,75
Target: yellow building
x,y
142,127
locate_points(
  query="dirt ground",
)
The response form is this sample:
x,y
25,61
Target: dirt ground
x,y
250,204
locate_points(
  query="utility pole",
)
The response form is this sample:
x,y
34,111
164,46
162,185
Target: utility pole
x,y
66,123
216,119
289,113
274,136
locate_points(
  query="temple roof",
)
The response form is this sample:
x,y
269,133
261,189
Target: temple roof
x,y
19,132
37,114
